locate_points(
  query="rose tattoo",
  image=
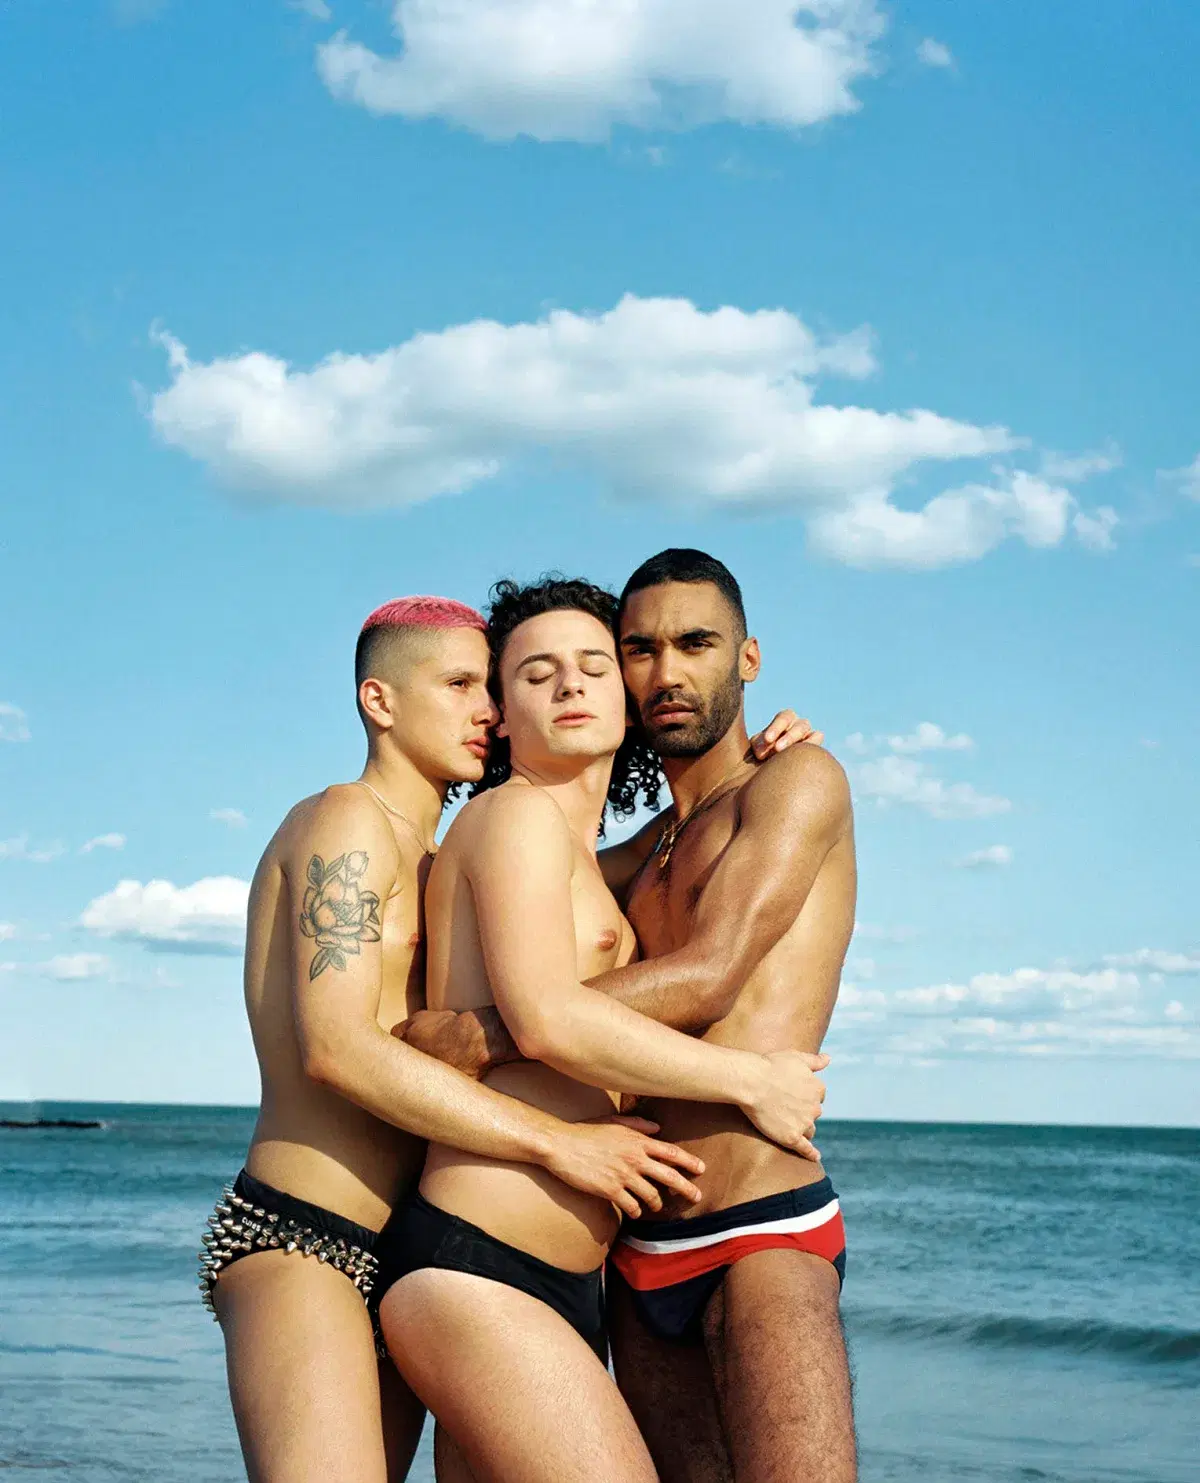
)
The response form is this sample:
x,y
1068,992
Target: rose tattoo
x,y
336,913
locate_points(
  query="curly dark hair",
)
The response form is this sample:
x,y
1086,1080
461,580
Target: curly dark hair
x,y
636,771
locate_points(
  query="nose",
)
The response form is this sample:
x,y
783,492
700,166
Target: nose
x,y
571,681
487,712
667,671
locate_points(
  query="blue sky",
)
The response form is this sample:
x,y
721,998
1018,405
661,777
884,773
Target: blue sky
x,y
983,215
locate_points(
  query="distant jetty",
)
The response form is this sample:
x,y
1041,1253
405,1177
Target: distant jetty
x,y
51,1122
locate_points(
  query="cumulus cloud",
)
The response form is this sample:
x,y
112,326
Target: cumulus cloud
x,y
903,780
1156,960
555,70
8,930
995,856
1024,991
1095,529
655,400
929,737
234,817
315,8
1186,480
103,842
207,916
934,53
14,723
73,967
18,848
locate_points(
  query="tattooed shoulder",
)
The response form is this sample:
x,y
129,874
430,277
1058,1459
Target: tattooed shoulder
x,y
337,913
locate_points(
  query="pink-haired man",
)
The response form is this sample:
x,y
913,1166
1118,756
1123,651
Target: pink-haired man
x,y
333,960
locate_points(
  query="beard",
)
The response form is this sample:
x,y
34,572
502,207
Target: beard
x,y
711,718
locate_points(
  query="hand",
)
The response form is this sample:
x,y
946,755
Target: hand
x,y
472,1042
617,1157
786,730
786,1107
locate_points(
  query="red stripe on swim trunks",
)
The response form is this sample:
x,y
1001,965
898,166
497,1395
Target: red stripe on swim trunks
x,y
663,1267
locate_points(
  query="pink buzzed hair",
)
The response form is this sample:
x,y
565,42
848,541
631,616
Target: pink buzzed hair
x,y
425,612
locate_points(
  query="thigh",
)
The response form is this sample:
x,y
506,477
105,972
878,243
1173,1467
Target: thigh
x,y
403,1421
521,1394
449,1464
774,1334
669,1388
303,1375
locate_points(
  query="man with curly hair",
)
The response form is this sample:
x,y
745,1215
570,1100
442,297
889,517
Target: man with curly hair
x,y
723,1313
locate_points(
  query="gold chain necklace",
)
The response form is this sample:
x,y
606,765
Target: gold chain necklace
x,y
671,831
404,819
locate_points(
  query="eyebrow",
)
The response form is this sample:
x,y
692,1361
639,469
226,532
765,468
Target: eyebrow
x,y
678,638
553,658
463,674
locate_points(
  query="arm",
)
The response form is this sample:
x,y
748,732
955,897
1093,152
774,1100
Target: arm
x,y
338,872
520,877
791,814
621,862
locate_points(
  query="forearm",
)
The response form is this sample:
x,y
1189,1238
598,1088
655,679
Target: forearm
x,y
412,1091
606,1044
689,990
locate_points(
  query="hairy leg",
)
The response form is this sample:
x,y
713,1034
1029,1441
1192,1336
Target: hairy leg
x,y
303,1375
515,1386
669,1388
774,1336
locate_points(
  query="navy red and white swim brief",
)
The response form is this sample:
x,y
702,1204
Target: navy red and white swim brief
x,y
673,1267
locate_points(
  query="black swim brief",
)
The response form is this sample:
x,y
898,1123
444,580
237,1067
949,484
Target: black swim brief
x,y
251,1216
673,1267
420,1235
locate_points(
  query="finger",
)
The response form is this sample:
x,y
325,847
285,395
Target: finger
x,y
627,1203
806,1150
637,1124
815,738
668,1153
644,1191
672,1179
399,1029
814,1060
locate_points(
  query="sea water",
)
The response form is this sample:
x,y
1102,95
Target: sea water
x,y
1022,1303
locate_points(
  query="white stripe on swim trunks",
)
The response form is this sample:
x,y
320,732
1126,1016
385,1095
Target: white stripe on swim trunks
x,y
788,1224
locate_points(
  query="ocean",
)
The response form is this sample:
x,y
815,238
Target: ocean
x,y
1022,1303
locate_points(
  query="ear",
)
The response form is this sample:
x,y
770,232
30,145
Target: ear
x,y
501,726
749,661
376,703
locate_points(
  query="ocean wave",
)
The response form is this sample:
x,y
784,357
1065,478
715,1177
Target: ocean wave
x,y
1149,1344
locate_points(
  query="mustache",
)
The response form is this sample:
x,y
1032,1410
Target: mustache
x,y
677,696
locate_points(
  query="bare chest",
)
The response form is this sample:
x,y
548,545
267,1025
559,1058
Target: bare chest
x,y
403,944
603,938
662,899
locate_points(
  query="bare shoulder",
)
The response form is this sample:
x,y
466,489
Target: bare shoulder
x,y
340,818
801,778
511,819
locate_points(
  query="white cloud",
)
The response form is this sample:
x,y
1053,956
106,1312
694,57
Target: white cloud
x,y
8,930
75,966
18,848
574,69
315,8
993,857
103,842
1156,960
234,817
934,53
929,737
14,723
209,915
902,780
1187,480
1095,529
1074,468
655,399
133,12
1025,991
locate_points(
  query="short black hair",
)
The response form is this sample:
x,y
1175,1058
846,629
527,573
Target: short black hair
x,y
636,772
685,564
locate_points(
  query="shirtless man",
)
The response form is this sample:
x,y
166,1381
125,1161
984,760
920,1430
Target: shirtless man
x,y
723,1316
333,960
493,1307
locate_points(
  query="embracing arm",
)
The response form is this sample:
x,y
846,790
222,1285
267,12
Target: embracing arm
x,y
520,876
339,873
791,814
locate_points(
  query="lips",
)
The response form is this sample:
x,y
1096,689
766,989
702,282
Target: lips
x,y
672,713
573,718
478,745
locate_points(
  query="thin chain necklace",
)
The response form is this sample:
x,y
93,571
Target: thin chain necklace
x,y
404,819
672,830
